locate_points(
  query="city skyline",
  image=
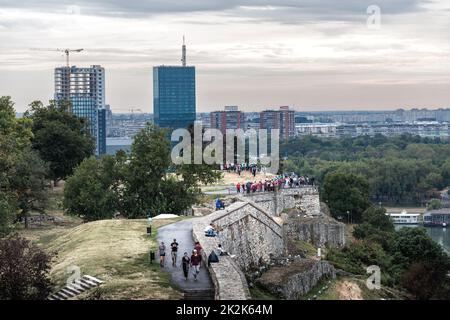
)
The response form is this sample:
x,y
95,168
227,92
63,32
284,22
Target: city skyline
x,y
254,54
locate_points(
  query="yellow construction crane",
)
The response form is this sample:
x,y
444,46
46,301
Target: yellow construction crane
x,y
66,52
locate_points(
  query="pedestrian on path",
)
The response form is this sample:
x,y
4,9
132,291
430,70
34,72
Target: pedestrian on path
x,y
185,261
174,246
196,260
162,254
198,247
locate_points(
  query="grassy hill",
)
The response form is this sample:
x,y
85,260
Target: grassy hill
x,y
116,251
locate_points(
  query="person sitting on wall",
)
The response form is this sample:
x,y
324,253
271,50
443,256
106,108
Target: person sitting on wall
x,y
220,252
210,231
219,204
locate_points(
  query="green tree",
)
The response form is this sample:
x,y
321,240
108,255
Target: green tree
x,y
7,213
434,204
359,255
30,184
61,138
375,226
22,171
145,173
346,193
91,192
414,245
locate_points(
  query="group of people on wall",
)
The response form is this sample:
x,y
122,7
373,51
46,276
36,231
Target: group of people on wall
x,y
275,184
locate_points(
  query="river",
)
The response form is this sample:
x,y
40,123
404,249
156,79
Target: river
x,y
438,234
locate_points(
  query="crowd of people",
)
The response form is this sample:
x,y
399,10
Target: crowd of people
x,y
238,168
193,261
279,182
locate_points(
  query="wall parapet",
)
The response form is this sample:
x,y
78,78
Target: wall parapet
x,y
228,279
305,198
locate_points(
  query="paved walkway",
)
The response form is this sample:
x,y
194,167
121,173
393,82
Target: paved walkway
x,y
182,231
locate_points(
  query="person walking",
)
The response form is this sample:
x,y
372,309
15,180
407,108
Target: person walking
x,y
196,260
162,254
238,187
185,261
198,248
174,246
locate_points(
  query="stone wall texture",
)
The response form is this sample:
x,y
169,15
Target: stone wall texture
x,y
250,233
296,279
319,231
304,198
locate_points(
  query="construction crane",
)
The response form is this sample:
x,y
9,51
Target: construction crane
x,y
66,52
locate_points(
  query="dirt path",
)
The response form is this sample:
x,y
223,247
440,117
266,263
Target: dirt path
x,y
349,291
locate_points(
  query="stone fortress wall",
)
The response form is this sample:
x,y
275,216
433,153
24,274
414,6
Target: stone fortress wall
x,y
253,230
250,233
306,199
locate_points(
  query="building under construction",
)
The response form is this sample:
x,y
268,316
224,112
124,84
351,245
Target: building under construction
x,y
85,89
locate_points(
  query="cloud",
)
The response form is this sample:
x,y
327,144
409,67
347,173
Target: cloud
x,y
256,52
281,10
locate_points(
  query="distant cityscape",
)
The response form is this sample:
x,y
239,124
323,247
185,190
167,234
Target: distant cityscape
x,y
174,106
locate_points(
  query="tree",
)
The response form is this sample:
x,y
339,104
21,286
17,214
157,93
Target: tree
x,y
375,226
30,184
24,269
414,245
61,138
7,212
91,192
425,280
22,171
152,184
145,173
434,204
140,184
415,252
346,192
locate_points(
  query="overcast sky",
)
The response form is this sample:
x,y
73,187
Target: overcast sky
x,y
312,55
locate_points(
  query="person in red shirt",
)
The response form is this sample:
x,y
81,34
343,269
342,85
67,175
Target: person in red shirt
x,y
238,187
198,247
196,260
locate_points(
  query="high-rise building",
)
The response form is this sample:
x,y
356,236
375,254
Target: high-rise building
x,y
85,89
282,119
102,114
230,118
174,103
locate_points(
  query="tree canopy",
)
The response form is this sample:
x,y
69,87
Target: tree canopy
x,y
61,138
143,183
347,195
23,174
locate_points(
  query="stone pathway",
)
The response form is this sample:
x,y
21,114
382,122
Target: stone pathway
x,y
182,231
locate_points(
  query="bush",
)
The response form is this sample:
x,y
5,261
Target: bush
x,y
23,270
425,280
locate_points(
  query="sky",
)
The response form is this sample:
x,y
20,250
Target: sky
x,y
257,54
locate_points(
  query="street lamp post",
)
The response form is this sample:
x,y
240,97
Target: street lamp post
x,y
348,216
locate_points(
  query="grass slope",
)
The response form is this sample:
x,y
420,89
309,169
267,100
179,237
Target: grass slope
x,y
116,251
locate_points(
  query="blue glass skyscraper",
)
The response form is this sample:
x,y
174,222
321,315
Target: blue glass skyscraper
x,y
174,104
